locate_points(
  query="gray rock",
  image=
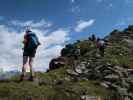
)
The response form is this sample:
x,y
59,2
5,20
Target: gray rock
x,y
104,84
112,77
88,97
71,72
81,68
122,91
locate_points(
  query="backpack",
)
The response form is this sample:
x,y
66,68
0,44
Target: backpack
x,y
33,42
102,43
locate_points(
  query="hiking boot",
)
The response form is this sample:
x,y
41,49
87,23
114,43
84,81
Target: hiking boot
x,y
21,77
31,78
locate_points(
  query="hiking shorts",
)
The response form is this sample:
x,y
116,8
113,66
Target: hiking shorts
x,y
29,53
101,48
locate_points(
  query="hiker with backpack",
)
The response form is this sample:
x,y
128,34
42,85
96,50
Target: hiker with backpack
x,y
100,43
31,44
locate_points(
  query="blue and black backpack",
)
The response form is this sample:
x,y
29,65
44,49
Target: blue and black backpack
x,y
33,41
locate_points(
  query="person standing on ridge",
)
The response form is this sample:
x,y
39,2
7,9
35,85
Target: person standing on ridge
x,y
101,46
31,43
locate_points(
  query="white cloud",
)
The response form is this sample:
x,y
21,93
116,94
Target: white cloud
x,y
81,25
11,47
57,37
75,9
110,5
72,1
41,23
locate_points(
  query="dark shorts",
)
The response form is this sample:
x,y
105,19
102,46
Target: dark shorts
x,y
30,53
101,48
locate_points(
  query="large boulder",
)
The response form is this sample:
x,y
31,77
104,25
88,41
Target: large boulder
x,y
56,63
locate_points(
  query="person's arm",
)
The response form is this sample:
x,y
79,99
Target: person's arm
x,y
25,40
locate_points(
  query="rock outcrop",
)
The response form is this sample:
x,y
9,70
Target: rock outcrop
x,y
56,63
113,71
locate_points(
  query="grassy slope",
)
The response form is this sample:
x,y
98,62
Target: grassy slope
x,y
48,89
117,53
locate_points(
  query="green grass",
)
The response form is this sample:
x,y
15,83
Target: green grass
x,y
68,90
117,56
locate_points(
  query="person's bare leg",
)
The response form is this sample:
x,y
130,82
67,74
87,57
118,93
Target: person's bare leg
x,y
31,68
25,59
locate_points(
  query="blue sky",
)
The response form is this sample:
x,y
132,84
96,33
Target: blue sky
x,y
66,13
58,22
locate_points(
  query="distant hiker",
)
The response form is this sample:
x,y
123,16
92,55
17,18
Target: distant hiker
x,y
101,46
93,37
31,43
